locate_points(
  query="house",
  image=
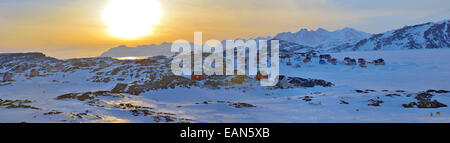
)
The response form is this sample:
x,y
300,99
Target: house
x,y
379,62
259,76
322,62
333,61
306,60
350,62
361,61
198,77
327,56
363,65
347,59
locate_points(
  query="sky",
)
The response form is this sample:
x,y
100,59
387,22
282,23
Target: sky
x,y
74,28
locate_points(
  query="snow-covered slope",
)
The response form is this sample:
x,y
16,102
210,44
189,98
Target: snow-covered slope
x,y
413,86
322,39
427,35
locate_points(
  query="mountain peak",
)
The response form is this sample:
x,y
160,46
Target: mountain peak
x,y
348,29
321,30
303,30
322,38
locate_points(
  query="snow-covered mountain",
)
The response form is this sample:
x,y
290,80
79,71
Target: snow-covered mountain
x,y
323,39
154,49
143,50
427,35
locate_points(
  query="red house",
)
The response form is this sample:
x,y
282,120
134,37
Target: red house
x,y
259,76
198,77
307,60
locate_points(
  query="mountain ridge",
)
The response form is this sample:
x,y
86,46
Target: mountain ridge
x,y
322,38
429,35
426,35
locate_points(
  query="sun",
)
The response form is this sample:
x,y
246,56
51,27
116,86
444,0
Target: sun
x,y
131,19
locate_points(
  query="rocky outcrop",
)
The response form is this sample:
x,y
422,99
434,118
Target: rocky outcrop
x,y
296,82
7,77
34,73
424,100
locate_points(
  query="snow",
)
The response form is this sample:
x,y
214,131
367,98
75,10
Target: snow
x,y
410,70
322,39
408,37
405,69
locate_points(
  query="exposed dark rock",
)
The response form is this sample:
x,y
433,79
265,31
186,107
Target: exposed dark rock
x,y
164,82
375,102
88,95
343,102
11,104
424,100
365,91
53,113
241,105
7,77
119,88
361,91
437,91
392,94
34,73
307,98
295,82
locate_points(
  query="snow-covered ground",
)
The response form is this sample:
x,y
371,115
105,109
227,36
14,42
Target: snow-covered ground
x,y
413,70
371,94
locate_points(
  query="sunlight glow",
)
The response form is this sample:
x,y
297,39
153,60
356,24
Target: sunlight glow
x,y
131,19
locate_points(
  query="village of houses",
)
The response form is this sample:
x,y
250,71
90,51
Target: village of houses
x,y
309,57
328,59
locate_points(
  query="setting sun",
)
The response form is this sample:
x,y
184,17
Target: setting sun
x,y
131,19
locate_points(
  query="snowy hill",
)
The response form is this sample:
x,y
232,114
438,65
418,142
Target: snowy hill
x,y
413,86
427,35
111,90
322,39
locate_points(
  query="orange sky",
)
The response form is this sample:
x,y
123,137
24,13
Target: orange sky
x,y
74,28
